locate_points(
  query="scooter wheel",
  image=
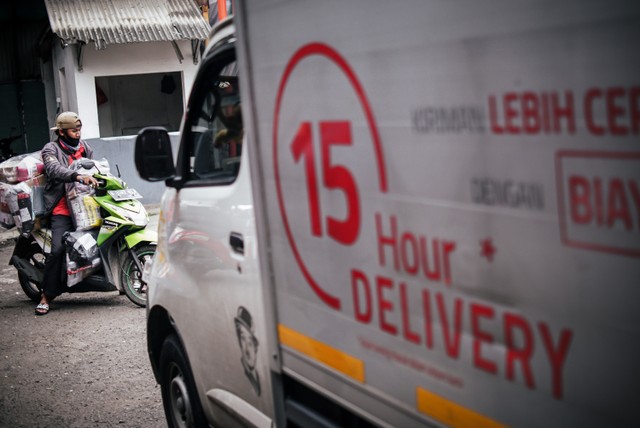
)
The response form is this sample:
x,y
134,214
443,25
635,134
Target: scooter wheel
x,y
30,289
36,258
131,276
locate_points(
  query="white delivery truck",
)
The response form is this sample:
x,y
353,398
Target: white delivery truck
x,y
419,213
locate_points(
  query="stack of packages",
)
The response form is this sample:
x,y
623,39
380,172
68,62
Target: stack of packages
x,y
22,183
83,257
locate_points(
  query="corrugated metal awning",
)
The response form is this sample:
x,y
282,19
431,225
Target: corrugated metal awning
x,y
126,21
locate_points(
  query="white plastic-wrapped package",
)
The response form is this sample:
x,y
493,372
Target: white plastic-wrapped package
x,y
100,166
26,201
6,218
85,212
21,168
83,257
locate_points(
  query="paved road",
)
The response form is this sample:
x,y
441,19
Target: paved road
x,y
82,365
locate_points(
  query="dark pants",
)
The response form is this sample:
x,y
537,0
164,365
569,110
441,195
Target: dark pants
x,y
53,283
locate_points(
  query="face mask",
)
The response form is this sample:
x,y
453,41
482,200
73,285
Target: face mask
x,y
73,142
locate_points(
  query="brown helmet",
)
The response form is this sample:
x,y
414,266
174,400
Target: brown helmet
x,y
67,120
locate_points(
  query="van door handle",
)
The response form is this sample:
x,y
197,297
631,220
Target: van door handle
x,y
237,242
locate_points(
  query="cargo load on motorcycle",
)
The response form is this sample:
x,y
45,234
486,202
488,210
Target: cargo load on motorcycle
x,y
109,245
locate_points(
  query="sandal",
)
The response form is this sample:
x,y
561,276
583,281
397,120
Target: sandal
x,y
42,309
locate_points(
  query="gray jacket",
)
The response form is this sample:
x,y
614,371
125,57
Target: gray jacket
x,y
56,167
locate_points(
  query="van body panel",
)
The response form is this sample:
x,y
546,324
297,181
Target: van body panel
x,y
436,220
201,282
207,279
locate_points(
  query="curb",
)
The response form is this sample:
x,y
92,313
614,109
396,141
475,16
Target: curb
x,y
7,236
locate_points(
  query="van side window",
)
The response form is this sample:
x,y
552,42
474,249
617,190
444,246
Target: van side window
x,y
215,128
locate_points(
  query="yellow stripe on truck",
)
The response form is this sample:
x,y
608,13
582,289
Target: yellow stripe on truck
x,y
450,413
332,357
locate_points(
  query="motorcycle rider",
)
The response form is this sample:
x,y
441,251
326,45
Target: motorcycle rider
x,y
57,155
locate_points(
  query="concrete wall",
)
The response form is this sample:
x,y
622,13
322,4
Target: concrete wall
x,y
120,151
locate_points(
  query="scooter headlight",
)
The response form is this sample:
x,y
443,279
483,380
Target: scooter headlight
x,y
140,219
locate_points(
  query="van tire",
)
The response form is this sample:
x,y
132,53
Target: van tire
x,y
180,400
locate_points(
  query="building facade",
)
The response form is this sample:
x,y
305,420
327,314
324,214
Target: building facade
x,y
121,64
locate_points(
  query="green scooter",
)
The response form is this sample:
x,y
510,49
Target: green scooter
x,y
106,259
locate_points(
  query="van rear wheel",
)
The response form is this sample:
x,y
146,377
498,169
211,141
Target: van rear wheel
x,y
182,406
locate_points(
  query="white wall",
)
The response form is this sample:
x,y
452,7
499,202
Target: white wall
x,y
132,58
64,68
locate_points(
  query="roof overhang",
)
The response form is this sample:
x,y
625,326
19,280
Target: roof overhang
x,y
106,22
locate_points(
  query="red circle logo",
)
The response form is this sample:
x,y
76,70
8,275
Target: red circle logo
x,y
335,177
